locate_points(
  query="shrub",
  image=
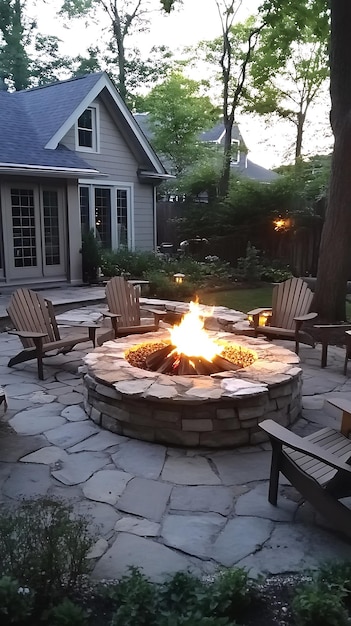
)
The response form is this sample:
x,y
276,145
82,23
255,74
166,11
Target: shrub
x,y
315,605
163,286
336,576
230,594
136,600
68,614
16,602
91,257
43,547
250,267
128,263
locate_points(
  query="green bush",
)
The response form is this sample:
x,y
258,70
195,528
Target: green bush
x,y
230,594
45,548
336,576
163,286
135,598
91,257
16,602
315,605
250,267
68,614
128,263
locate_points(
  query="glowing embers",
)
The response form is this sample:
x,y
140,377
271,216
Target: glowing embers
x,y
190,351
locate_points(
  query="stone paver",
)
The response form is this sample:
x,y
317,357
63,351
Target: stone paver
x,y
161,508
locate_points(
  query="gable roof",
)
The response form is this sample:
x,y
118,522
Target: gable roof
x,y
34,121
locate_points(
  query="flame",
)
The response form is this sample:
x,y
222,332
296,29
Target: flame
x,y
190,337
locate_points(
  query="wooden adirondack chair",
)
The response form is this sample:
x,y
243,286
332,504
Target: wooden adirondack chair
x,y
317,466
291,301
35,324
124,310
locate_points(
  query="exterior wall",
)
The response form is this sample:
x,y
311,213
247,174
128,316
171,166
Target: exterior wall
x,y
117,161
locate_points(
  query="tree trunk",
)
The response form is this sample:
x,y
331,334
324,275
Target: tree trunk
x,y
227,154
334,255
299,135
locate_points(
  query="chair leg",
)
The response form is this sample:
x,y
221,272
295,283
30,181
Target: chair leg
x,y
345,364
274,475
38,341
92,335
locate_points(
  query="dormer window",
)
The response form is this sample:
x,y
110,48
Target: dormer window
x,y
86,131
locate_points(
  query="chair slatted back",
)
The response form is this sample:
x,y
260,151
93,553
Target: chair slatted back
x,y
290,299
123,298
29,311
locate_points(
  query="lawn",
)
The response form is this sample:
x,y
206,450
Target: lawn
x,y
247,299
240,299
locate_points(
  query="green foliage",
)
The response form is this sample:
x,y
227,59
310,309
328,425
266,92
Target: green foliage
x,y
178,113
44,547
336,576
163,286
315,605
136,600
91,256
250,267
16,602
128,263
67,613
230,594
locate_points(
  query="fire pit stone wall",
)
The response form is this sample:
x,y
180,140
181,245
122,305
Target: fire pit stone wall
x,y
218,411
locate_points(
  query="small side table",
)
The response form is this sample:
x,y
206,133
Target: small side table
x,y
326,330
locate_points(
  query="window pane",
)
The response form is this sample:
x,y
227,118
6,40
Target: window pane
x,y
51,228
23,227
103,216
122,217
86,119
84,209
85,138
86,128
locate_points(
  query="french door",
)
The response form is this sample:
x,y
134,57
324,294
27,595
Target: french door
x,y
36,226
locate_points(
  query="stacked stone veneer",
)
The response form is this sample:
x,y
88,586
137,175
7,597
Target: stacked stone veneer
x,y
219,411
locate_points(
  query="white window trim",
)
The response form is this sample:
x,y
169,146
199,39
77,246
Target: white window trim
x,y
95,132
113,185
237,160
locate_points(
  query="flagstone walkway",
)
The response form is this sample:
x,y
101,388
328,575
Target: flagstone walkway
x,y
161,508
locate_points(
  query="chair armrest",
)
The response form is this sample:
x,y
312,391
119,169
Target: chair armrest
x,y
266,309
288,438
306,317
111,315
27,334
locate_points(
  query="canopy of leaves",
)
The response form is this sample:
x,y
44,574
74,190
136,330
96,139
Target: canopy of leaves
x,y
178,113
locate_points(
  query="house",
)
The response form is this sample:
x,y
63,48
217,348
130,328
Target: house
x,y
72,158
240,162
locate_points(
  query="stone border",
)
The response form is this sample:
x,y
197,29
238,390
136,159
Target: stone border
x,y
218,411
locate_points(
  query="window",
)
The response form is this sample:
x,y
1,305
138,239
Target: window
x,y
24,227
86,137
51,227
103,216
235,156
108,210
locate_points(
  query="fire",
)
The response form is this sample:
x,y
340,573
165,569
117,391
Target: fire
x,y
190,337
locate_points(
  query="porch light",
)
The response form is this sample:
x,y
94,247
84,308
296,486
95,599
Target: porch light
x,y
178,278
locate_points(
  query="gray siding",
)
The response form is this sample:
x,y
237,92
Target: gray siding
x,y
117,160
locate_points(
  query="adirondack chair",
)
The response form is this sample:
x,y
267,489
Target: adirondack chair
x,y
317,466
35,324
124,310
291,301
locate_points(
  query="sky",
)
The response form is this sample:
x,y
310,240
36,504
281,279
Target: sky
x,y
268,141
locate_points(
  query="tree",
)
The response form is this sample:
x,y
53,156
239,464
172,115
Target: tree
x,y
334,257
288,86
178,113
126,17
15,34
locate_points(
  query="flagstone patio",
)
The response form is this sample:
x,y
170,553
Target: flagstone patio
x,y
159,507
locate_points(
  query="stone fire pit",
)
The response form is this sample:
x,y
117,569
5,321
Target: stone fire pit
x,y
218,411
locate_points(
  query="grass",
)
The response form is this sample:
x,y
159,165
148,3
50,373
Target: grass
x,y
247,299
240,299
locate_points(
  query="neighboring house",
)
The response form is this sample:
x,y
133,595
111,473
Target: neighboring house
x,y
72,158
240,162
